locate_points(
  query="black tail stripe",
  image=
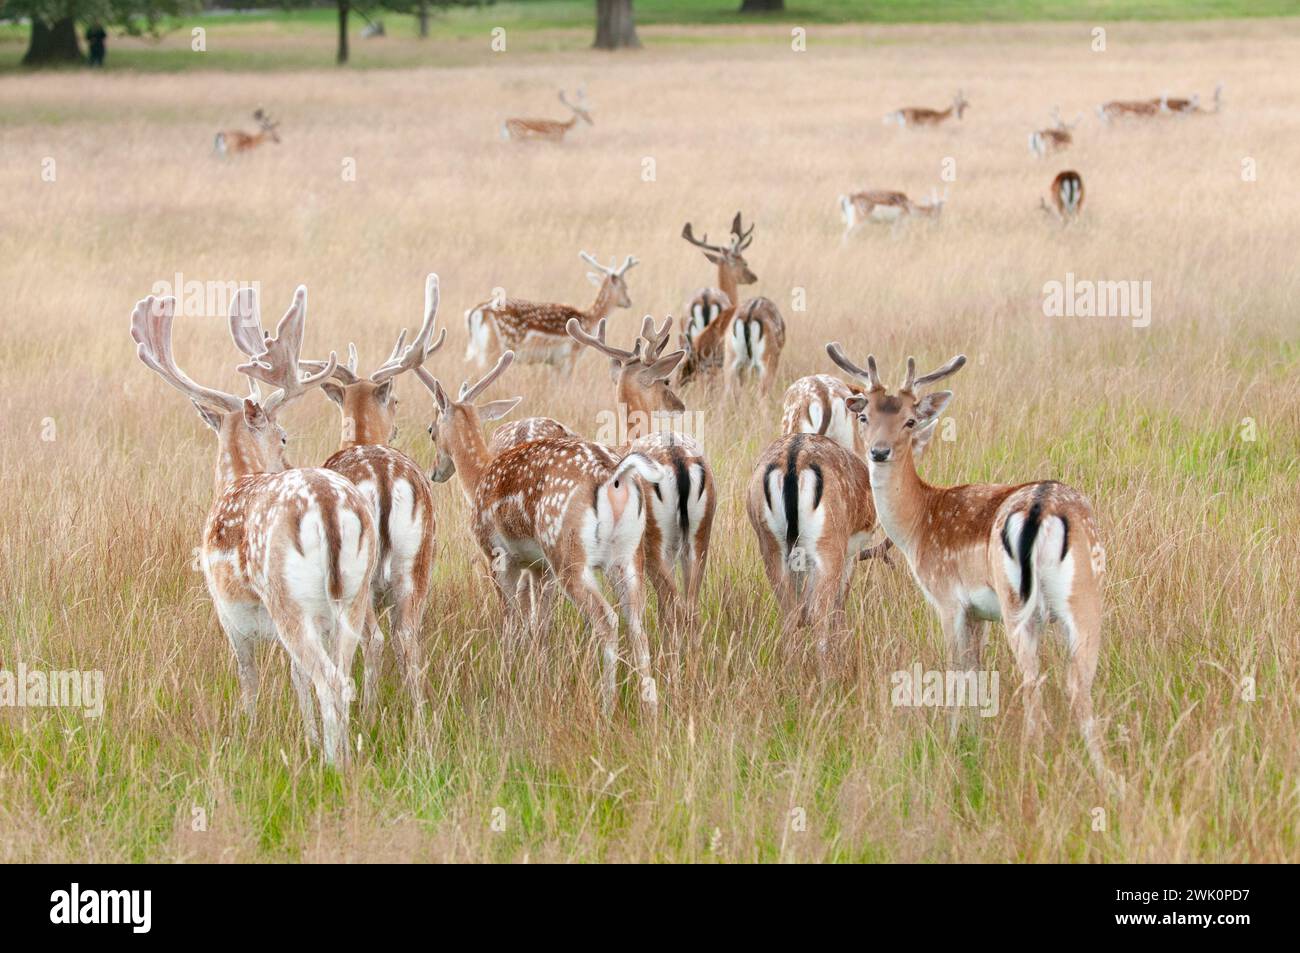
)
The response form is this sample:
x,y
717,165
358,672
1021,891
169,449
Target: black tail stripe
x,y
790,494
1065,538
767,484
1028,533
683,492
817,489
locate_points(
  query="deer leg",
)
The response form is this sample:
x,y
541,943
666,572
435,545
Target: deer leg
x,y
1023,636
959,635
631,598
580,586
372,654
1083,630
302,640
408,614
242,644
306,705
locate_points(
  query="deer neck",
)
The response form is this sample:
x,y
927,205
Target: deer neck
x,y
363,425
902,501
238,456
727,284
472,457
602,307
638,407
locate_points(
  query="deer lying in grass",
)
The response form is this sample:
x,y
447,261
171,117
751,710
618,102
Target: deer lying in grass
x,y
1026,554
555,506
705,338
679,521
754,345
235,141
400,495
1067,197
922,116
534,331
880,206
1056,138
549,130
287,553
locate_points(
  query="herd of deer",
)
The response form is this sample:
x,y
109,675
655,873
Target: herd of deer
x,y
314,557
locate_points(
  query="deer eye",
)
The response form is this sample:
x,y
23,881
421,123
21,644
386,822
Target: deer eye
x,y
911,422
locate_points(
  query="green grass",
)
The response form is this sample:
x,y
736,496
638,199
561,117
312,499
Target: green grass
x,y
576,17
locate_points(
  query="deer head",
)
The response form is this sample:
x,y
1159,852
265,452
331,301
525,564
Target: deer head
x,y
729,257
641,374
456,428
264,121
580,108
610,279
960,104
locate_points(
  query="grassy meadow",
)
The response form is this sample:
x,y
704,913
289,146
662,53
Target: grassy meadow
x,y
1185,434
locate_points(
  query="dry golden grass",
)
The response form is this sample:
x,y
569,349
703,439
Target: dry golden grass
x,y
1200,524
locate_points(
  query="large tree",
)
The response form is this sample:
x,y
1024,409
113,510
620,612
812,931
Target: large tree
x,y
419,8
615,27
53,40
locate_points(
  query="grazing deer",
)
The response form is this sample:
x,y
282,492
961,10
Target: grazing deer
x,y
1129,109
679,522
921,116
235,141
556,506
287,553
551,130
809,502
400,496
883,206
1067,197
535,332
705,340
1057,138
754,344
1025,554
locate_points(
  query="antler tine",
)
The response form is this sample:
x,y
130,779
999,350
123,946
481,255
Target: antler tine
x,y
740,237
246,323
656,339
870,375
151,329
591,260
468,393
700,242
575,331
278,364
628,262
414,354
910,379
952,367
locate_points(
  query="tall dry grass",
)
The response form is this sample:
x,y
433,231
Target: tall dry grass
x,y
99,524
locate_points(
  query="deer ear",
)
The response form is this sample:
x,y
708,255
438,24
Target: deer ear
x,y
495,409
210,417
929,407
921,439
661,369
384,392
333,391
855,404
254,415
714,257
595,279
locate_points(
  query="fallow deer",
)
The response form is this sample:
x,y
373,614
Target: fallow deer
x,y
1057,138
1067,197
922,116
555,506
287,553
1188,107
400,495
679,522
535,332
1129,109
1026,554
705,340
550,130
235,141
809,502
754,345
882,206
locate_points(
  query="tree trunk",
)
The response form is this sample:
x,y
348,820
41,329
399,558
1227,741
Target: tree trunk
x,y
53,44
344,8
762,6
615,27
423,14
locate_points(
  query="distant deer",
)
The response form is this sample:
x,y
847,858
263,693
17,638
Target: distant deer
x,y
1067,197
704,338
535,332
1057,138
886,207
1129,109
754,345
1188,107
550,130
235,141
922,116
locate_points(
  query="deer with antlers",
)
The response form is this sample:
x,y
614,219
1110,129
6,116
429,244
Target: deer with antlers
x,y
754,345
705,338
679,521
881,206
1056,138
234,141
1067,197
400,496
1026,554
536,332
912,116
287,554
557,506
549,130
1192,106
